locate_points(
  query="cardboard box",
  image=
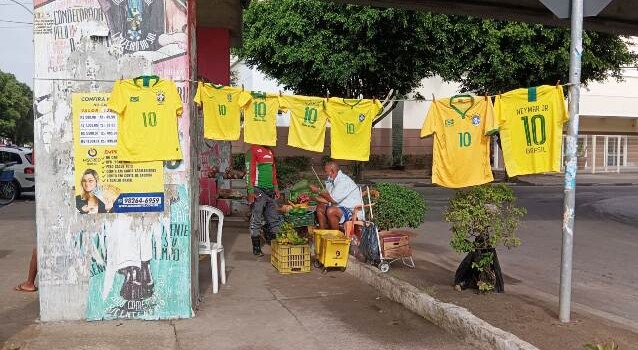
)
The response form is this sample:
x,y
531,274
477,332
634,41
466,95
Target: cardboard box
x,y
395,245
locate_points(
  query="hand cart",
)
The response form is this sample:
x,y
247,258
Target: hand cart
x,y
370,235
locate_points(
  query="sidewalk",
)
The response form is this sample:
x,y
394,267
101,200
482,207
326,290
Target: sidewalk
x,y
256,309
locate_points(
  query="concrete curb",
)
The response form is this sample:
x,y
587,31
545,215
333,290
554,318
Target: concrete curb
x,y
454,319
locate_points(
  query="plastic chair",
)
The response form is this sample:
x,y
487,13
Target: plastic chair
x,y
212,248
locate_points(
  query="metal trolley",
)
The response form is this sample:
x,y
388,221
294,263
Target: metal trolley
x,y
381,261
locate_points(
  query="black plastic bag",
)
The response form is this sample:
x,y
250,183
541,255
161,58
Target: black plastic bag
x,y
369,245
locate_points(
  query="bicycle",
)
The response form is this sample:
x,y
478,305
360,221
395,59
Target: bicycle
x,y
8,188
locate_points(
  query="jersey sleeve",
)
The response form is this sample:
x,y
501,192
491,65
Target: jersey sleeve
x,y
244,98
251,170
377,107
491,124
176,101
117,101
283,103
198,95
430,123
561,105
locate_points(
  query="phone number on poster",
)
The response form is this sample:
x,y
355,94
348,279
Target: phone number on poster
x,y
147,201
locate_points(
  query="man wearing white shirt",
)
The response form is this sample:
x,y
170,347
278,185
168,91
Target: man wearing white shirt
x,y
337,202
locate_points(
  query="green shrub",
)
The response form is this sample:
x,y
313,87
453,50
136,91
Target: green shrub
x,y
287,175
301,163
378,161
398,206
239,161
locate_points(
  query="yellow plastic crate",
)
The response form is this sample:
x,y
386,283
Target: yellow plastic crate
x,y
334,250
316,238
289,259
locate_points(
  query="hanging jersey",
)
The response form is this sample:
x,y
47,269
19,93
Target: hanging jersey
x,y
147,125
531,129
260,119
461,148
260,165
307,121
222,110
351,127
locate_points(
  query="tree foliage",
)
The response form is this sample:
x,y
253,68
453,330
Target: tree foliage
x,y
311,46
16,110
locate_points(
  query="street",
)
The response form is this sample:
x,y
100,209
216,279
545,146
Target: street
x,y
605,244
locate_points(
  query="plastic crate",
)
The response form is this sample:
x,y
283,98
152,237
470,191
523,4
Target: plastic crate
x,y
288,259
307,219
316,239
334,250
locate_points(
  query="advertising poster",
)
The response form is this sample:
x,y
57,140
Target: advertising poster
x,y
102,183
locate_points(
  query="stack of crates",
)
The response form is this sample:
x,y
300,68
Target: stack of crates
x,y
289,259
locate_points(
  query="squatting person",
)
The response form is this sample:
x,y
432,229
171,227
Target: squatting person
x,y
263,193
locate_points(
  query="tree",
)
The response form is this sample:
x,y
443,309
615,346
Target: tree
x,y
16,110
313,46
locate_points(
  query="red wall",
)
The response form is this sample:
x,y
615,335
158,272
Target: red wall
x,y
213,54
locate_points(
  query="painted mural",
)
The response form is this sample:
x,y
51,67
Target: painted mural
x,y
140,273
136,265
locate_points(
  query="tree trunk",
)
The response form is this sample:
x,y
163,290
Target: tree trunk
x,y
397,136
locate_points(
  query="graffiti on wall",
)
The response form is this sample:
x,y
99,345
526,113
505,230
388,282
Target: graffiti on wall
x,y
141,273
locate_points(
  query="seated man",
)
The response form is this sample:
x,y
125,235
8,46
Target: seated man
x,y
336,203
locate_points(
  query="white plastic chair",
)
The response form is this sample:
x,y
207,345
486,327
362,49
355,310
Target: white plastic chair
x,y
212,248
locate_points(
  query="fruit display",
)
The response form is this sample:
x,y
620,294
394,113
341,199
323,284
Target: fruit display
x,y
288,235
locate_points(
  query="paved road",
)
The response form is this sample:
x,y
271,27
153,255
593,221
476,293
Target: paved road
x,y
605,251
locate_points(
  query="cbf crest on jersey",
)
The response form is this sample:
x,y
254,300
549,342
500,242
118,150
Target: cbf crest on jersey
x,y
160,97
476,120
229,97
362,117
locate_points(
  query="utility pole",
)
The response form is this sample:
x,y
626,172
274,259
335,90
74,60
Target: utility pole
x,y
576,52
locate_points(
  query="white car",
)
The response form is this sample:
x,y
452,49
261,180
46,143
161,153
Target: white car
x,y
23,169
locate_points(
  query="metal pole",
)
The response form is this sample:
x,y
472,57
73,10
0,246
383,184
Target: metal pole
x,y
576,52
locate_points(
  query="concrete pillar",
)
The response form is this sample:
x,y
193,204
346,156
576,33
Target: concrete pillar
x,y
83,47
213,64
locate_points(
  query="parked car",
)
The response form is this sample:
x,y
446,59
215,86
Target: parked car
x,y
23,167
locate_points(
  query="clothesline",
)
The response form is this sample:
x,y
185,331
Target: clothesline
x,y
198,81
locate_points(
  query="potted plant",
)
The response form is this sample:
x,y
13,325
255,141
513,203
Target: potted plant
x,y
483,218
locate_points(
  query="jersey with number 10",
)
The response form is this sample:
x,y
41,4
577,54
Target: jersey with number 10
x,y
307,121
531,129
147,125
460,125
260,119
222,110
351,127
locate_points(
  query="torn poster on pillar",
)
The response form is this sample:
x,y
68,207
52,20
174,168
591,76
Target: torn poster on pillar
x,y
103,184
140,267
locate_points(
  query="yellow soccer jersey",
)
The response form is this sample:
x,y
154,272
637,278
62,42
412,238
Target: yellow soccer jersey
x,y
531,129
260,119
460,125
222,110
147,125
307,121
351,127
